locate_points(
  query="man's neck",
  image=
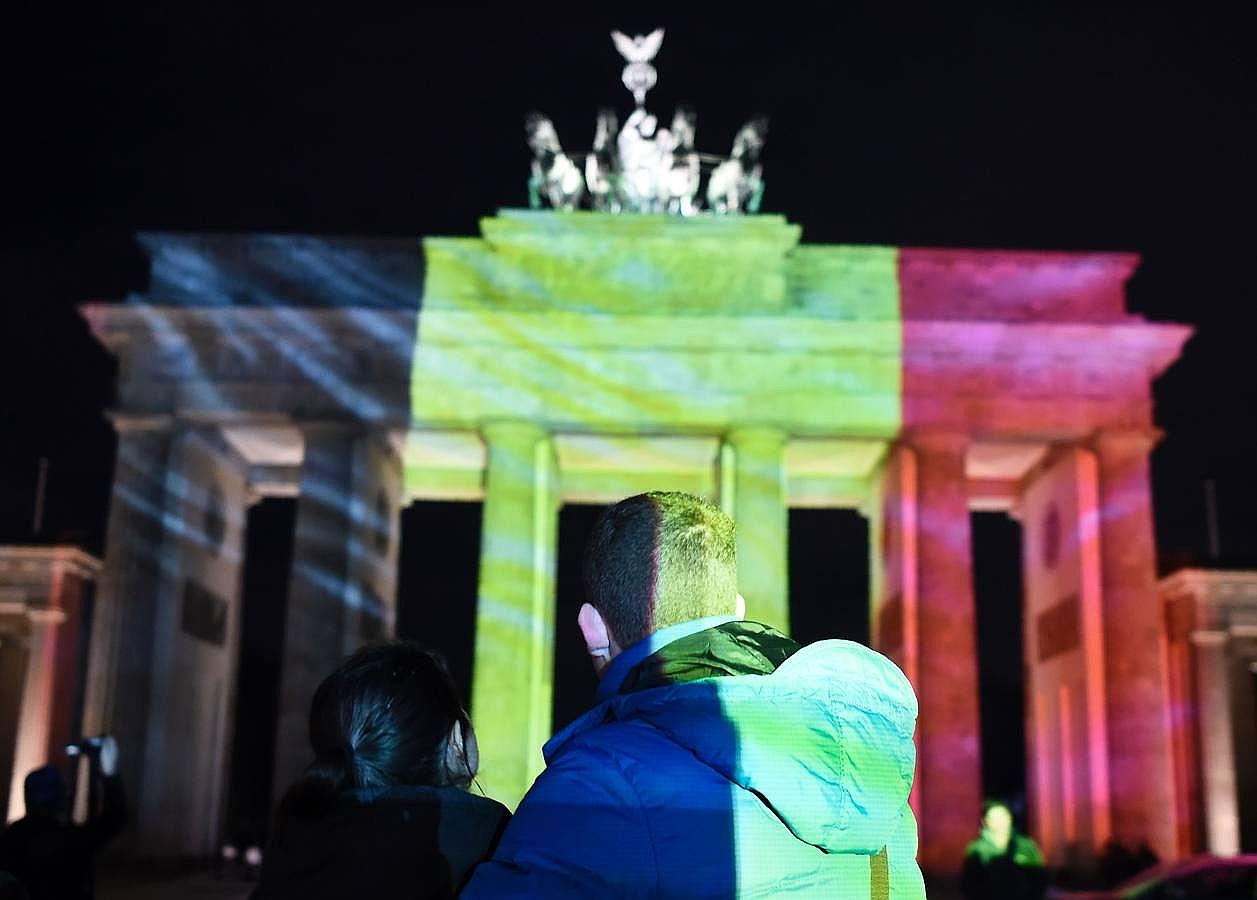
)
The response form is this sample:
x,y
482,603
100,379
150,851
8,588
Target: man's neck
x,y
614,674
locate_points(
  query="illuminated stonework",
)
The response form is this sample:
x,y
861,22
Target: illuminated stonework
x,y
586,356
44,614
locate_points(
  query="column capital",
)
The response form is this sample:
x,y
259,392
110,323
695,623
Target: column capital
x,y
756,436
133,423
45,615
931,441
316,427
513,431
1209,638
1123,440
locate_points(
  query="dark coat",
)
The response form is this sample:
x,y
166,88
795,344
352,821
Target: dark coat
x,y
1017,873
731,763
404,842
53,859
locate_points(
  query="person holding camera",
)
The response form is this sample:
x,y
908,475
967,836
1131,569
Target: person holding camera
x,y
45,851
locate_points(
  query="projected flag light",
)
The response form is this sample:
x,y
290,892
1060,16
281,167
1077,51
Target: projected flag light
x,y
655,339
645,168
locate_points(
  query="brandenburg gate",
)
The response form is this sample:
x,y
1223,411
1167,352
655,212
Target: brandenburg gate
x,y
668,337
584,356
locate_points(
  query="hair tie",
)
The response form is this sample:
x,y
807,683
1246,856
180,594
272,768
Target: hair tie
x,y
341,753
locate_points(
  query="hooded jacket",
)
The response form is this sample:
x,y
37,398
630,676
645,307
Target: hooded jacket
x,y
731,763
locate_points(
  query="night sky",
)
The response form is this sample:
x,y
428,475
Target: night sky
x,y
1097,129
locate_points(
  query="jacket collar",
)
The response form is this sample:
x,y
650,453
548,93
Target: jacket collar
x,y
618,669
763,649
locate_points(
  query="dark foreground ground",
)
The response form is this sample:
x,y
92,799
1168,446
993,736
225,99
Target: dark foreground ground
x,y
139,884
132,883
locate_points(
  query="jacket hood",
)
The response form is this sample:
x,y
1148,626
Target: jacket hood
x,y
825,740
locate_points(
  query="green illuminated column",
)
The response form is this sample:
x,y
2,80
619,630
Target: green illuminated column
x,y
759,509
513,673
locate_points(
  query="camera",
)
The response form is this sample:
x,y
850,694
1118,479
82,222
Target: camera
x,y
88,745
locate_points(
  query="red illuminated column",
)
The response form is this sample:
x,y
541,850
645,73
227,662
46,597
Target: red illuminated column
x,y
1140,757
893,610
949,761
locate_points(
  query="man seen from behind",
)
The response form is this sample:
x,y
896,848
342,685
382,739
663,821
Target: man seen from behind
x,y
721,758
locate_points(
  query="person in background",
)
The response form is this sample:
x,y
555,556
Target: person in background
x,y
385,809
11,888
1002,864
722,759
49,855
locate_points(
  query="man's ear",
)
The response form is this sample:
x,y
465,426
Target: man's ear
x,y
594,629
739,607
598,641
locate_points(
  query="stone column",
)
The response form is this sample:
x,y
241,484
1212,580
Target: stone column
x,y
948,742
1140,757
893,564
893,570
1066,753
194,650
120,673
1242,676
316,616
759,509
1217,743
157,807
34,717
513,667
374,543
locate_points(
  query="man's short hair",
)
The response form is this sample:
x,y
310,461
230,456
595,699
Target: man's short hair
x,y
659,559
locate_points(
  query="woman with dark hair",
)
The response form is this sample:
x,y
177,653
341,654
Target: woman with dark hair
x,y
385,809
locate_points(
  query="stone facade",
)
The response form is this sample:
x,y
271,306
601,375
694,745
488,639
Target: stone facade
x,y
562,357
1211,647
46,610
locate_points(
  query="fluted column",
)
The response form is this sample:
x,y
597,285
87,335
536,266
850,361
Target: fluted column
x,y
949,755
513,668
120,671
759,509
1140,758
30,749
1217,743
318,588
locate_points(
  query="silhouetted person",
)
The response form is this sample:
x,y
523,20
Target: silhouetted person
x,y
1118,862
51,856
1144,858
1002,864
722,759
385,809
11,888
